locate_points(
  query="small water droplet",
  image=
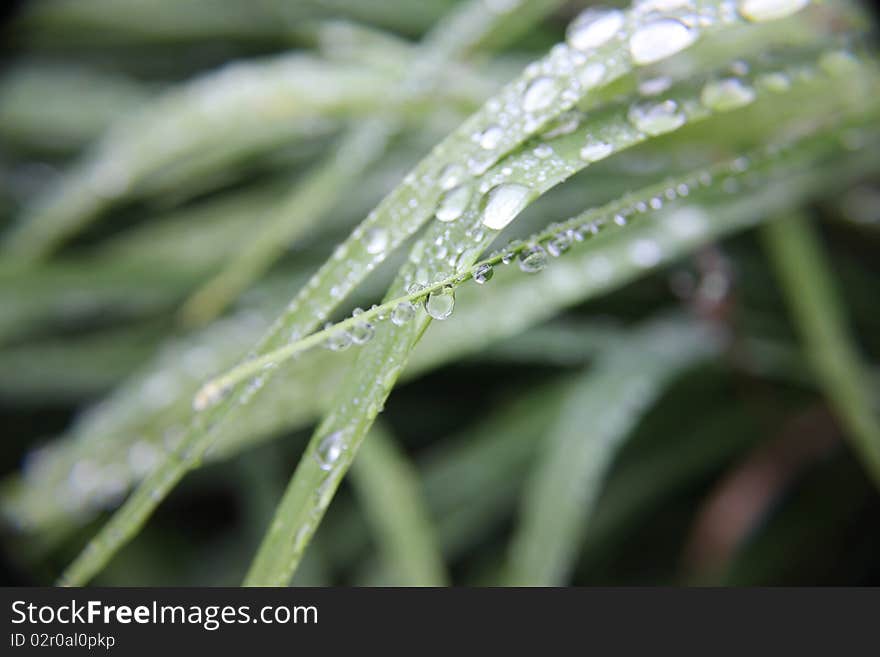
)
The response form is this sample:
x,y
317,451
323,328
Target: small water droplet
x,y
660,39
769,10
490,137
338,341
451,176
376,240
594,27
402,313
533,259
503,203
558,244
591,75
543,151
775,82
453,203
727,94
595,150
329,450
540,93
483,273
440,303
656,118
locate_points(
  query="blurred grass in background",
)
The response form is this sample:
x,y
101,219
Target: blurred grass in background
x,y
172,173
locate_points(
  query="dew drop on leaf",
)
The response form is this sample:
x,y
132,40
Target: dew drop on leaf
x,y
727,94
533,259
540,93
503,203
483,274
453,203
440,303
769,10
656,118
329,450
660,39
594,27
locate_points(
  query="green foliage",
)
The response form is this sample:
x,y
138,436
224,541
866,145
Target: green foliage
x,y
196,263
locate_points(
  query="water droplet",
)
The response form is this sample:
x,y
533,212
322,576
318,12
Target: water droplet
x,y
483,273
209,395
451,176
775,82
533,259
645,253
402,313
591,75
510,252
769,10
503,203
594,27
660,39
727,94
376,240
540,93
362,332
329,450
595,150
656,118
440,303
655,86
558,244
453,203
564,125
543,151
338,341
490,137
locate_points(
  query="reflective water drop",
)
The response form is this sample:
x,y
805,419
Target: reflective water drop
x,y
533,259
402,313
502,203
540,93
490,137
775,82
595,150
660,39
564,125
338,341
362,332
440,303
769,10
656,118
645,253
594,27
558,244
543,151
655,86
591,75
376,240
329,450
209,395
483,273
727,94
510,252
451,176
453,203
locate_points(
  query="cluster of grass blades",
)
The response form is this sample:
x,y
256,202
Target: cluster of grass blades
x,y
509,184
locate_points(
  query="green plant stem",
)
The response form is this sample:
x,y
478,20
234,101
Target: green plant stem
x,y
807,281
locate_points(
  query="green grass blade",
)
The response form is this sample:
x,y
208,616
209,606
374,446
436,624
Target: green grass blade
x,y
389,489
806,279
598,414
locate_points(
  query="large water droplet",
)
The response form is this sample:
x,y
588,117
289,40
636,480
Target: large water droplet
x,y
656,118
376,240
483,273
594,27
329,450
595,150
769,10
503,203
440,303
533,259
725,95
540,93
660,39
362,332
402,313
338,341
453,203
